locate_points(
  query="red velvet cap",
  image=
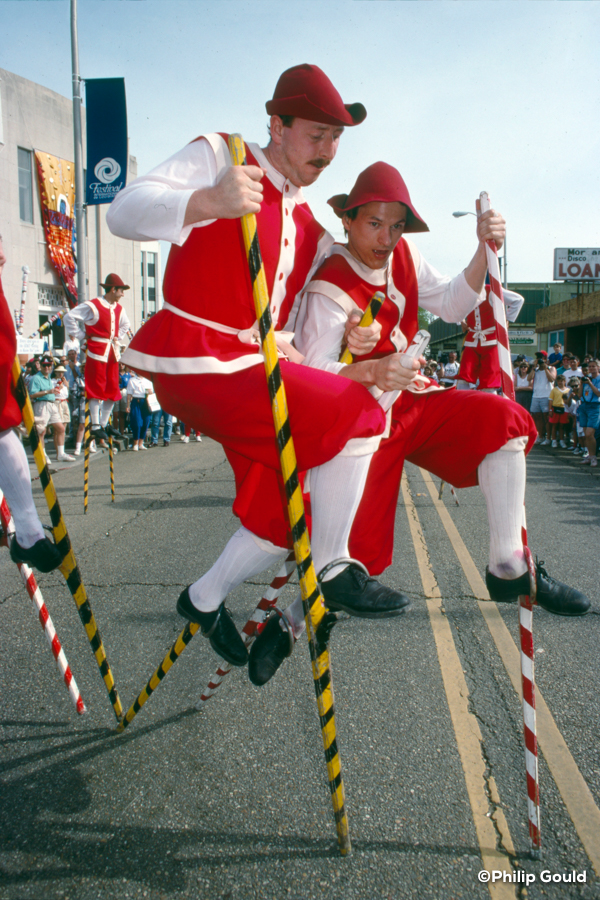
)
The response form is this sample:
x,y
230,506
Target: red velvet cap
x,y
383,183
306,91
112,281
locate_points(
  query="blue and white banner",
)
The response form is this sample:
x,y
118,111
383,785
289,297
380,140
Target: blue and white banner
x,y
106,130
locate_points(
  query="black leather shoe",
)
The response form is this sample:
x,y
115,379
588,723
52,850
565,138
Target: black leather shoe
x,y
113,432
274,644
44,555
98,434
355,592
218,627
552,595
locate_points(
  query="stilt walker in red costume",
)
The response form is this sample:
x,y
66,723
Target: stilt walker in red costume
x,y
464,437
30,545
479,364
104,323
202,351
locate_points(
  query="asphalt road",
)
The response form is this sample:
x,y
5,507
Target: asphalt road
x,y
232,801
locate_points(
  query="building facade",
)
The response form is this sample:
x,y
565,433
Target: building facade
x,y
35,118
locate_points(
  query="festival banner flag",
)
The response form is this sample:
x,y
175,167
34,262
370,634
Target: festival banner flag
x,y
106,137
56,178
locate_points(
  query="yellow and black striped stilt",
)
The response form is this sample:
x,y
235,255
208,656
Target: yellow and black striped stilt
x,y
314,609
68,567
368,317
111,460
176,650
86,455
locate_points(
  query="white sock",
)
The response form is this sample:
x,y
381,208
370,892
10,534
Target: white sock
x,y
336,489
502,477
78,445
295,616
244,556
15,482
94,406
107,408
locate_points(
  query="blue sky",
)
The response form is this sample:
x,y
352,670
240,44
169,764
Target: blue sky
x,y
461,97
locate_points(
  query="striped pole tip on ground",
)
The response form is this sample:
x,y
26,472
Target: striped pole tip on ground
x,y
529,717
86,455
252,626
41,611
170,658
314,609
68,567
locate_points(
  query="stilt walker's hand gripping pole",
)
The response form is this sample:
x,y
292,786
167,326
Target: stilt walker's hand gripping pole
x,y
69,567
369,316
42,612
525,602
314,610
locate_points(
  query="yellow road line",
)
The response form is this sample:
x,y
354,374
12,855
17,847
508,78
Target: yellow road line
x,y
483,794
571,784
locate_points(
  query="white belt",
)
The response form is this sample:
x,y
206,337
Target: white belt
x,y
245,335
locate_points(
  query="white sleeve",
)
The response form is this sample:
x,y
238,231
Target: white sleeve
x,y
512,303
298,310
152,208
321,334
124,324
449,298
75,320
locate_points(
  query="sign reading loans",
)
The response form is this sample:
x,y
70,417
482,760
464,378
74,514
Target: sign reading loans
x,y
106,130
576,264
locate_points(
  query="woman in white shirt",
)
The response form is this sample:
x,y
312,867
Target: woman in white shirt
x,y
138,390
523,387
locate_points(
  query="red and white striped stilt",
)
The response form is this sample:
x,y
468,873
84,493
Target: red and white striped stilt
x,y
529,719
253,625
525,603
40,608
497,302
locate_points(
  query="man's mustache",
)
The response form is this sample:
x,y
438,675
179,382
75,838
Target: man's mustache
x,y
319,163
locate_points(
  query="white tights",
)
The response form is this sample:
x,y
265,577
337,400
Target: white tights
x,y
15,482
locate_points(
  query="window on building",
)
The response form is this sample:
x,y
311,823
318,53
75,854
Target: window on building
x,y
25,185
556,337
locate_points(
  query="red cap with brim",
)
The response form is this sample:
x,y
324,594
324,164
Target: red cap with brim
x,y
381,183
112,281
306,91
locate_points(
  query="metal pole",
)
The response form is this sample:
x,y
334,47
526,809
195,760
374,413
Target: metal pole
x,y
504,266
78,146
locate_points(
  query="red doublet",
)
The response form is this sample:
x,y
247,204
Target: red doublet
x,y
10,414
447,432
101,365
207,370
205,325
479,360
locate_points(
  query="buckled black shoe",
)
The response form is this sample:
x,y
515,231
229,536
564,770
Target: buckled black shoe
x,y
111,431
355,592
98,434
44,555
218,627
274,644
552,595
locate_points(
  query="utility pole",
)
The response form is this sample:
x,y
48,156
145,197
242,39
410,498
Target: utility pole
x,y
78,144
